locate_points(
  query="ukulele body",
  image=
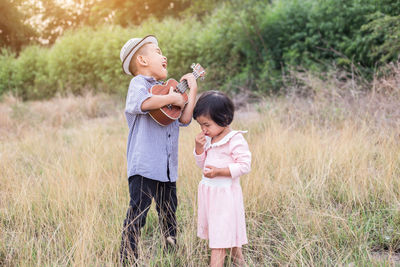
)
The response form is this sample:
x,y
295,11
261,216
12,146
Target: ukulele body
x,y
169,113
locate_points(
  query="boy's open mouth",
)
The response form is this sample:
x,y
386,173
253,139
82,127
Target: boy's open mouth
x,y
164,65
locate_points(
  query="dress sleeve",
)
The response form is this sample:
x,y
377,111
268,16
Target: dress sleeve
x,y
137,94
199,158
241,155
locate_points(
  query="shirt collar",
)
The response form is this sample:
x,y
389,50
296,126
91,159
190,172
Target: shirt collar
x,y
223,141
148,78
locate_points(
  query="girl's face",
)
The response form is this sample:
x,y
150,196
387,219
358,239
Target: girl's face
x,y
209,127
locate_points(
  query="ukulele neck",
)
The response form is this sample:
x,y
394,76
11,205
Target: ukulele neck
x,y
183,85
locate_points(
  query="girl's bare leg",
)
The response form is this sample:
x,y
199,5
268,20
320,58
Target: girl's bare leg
x,y
237,255
217,257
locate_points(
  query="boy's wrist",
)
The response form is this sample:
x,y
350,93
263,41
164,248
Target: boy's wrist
x,y
193,93
171,99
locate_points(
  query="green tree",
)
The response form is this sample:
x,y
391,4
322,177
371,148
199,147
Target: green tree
x,y
14,33
52,18
131,12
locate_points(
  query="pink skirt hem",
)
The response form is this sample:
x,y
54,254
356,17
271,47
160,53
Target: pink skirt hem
x,y
221,217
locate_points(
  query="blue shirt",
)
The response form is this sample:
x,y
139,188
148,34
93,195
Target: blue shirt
x,y
152,148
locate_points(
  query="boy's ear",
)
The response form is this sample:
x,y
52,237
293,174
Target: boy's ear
x,y
142,60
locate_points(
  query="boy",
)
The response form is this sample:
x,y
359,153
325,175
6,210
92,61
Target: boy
x,y
152,149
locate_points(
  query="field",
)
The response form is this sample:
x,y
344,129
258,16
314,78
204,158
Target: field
x,y
324,187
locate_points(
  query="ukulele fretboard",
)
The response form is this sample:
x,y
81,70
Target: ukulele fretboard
x,y
183,85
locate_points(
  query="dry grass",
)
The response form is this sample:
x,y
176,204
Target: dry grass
x,y
324,187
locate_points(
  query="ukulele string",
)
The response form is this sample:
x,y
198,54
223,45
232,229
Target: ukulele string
x,y
183,86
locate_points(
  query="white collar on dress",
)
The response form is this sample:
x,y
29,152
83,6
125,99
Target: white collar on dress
x,y
221,142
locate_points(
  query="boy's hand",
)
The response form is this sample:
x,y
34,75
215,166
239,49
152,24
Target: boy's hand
x,y
191,80
187,113
210,171
178,99
200,142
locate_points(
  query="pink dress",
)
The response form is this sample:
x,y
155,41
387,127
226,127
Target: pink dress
x,y
220,199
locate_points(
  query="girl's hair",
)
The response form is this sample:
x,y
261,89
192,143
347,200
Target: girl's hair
x,y
215,105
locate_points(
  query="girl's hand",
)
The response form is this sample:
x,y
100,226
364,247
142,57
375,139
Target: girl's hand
x,y
200,142
210,171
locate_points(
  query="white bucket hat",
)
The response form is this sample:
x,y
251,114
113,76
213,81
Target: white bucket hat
x,y
130,48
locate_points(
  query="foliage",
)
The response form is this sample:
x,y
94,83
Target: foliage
x,y
201,8
28,71
136,11
384,33
7,59
244,45
53,18
308,32
13,31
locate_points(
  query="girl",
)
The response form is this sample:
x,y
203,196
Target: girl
x,y
223,155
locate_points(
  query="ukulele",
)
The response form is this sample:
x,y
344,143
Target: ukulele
x,y
170,113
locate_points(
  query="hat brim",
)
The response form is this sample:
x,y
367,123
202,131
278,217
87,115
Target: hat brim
x,y
127,60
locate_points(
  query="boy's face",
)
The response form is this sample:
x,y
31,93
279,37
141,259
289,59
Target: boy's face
x,y
156,62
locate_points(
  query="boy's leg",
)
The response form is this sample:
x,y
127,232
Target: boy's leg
x,y
167,203
141,191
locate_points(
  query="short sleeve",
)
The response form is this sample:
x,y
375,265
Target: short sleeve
x,y
241,155
137,94
184,124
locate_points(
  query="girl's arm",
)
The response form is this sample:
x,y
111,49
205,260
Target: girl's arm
x,y
199,154
241,156
199,158
211,172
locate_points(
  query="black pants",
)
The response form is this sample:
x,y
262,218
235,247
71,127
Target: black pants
x,y
142,190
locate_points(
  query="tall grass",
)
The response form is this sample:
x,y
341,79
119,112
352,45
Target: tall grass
x,y
323,190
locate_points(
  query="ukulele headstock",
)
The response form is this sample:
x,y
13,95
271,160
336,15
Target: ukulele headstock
x,y
198,71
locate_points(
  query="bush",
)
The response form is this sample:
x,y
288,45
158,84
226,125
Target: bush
x,y
28,69
244,45
383,33
7,59
86,59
